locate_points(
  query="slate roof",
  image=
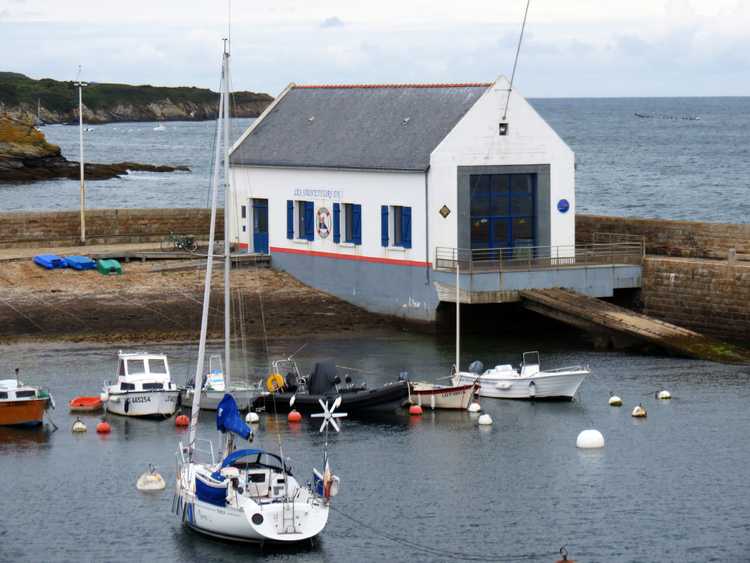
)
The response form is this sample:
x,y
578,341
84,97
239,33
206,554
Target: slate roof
x,y
357,127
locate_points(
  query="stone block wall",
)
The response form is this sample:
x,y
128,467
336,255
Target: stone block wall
x,y
103,226
670,238
708,296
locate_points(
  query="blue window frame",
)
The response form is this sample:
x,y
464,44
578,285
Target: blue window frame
x,y
336,223
400,226
303,212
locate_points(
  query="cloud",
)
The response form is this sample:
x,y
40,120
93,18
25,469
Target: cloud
x,y
332,22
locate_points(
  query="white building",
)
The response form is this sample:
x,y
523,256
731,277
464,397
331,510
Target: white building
x,y
359,191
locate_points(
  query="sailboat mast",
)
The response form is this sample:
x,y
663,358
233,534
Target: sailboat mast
x,y
458,318
206,292
227,264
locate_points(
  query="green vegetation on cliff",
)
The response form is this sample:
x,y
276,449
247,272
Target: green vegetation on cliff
x,y
62,97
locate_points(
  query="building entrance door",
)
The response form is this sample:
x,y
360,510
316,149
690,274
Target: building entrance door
x,y
260,226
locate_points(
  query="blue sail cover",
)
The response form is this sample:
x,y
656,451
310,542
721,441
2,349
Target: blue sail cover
x,y
228,418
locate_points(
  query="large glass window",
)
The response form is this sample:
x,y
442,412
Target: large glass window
x,y
503,214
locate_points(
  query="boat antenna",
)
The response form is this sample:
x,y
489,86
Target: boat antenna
x,y
518,50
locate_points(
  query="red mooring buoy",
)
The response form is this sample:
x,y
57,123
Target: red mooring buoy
x,y
182,420
294,416
103,427
415,410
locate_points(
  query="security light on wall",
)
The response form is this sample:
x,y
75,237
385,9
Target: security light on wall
x,y
503,129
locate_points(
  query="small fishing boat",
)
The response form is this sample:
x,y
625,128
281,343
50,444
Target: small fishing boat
x,y
22,404
324,384
86,404
144,386
214,388
443,395
528,382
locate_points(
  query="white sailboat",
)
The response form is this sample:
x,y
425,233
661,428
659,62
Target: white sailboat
x,y
248,495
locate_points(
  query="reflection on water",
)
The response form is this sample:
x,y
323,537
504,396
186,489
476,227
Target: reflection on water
x,y
668,487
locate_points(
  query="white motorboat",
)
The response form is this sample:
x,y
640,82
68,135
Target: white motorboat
x,y
528,382
443,396
214,388
246,495
144,386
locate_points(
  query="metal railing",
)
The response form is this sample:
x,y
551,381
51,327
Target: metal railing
x,y
522,257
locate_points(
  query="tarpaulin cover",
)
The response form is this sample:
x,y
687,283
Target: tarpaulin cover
x,y
228,418
322,379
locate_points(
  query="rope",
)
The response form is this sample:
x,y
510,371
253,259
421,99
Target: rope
x,y
446,553
600,381
518,50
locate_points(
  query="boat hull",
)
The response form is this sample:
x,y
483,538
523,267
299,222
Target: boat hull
x,y
382,399
210,399
155,403
555,385
86,404
23,412
427,395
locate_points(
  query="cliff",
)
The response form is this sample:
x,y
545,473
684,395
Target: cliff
x,y
50,101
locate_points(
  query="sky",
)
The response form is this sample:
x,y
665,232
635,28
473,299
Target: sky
x,y
570,48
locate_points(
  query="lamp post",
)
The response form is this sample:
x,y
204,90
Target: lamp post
x,y
80,128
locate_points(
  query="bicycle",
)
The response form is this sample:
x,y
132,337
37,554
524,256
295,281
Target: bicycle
x,y
186,242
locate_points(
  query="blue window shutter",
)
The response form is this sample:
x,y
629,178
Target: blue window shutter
x,y
336,223
289,219
357,227
309,220
384,225
406,227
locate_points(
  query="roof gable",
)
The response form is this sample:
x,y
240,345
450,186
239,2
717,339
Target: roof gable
x,y
356,127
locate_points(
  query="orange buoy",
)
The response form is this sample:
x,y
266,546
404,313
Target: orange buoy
x,y
103,427
182,420
294,416
415,410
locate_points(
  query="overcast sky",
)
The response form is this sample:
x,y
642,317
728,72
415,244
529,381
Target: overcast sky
x,y
571,48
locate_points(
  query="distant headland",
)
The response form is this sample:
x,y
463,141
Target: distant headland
x,y
48,101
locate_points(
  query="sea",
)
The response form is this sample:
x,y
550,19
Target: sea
x,y
670,487
685,159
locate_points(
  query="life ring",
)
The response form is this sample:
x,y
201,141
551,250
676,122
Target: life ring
x,y
275,382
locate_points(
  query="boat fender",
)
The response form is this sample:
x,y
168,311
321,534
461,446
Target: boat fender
x,y
127,405
275,382
334,488
104,397
532,389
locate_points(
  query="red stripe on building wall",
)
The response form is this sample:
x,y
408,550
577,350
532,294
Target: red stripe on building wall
x,y
349,257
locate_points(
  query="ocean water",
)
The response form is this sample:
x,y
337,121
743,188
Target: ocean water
x,y
689,160
671,487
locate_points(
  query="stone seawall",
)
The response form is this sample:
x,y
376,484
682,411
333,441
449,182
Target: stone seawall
x,y
103,226
696,275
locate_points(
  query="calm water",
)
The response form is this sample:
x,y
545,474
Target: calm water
x,y
671,487
663,167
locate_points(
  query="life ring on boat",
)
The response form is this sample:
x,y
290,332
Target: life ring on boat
x,y
275,382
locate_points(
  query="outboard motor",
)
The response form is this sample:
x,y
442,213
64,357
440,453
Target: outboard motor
x,y
403,376
476,367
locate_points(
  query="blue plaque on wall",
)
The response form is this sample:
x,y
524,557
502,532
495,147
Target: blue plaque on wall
x,y
563,206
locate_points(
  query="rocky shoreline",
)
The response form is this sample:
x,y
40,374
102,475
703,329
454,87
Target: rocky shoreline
x,y
25,155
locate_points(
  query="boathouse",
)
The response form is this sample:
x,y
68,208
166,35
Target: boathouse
x,y
377,194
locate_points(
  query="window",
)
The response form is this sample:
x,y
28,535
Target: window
x,y
352,223
395,225
151,386
300,220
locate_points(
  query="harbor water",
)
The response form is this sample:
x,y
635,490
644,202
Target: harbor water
x,y
670,487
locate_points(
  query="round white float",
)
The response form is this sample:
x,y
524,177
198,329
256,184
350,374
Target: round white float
x,y
79,426
485,419
150,482
639,411
474,407
615,401
252,417
590,439
664,395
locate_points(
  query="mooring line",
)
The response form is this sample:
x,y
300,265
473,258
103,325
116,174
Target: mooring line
x,y
443,552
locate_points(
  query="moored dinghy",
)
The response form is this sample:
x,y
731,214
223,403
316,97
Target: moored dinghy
x,y
86,404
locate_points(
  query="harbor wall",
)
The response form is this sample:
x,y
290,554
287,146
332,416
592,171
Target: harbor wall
x,y
103,226
695,275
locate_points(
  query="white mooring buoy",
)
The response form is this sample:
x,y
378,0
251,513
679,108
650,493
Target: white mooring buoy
x,y
474,407
252,416
79,426
485,420
639,412
615,401
151,481
663,394
589,439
